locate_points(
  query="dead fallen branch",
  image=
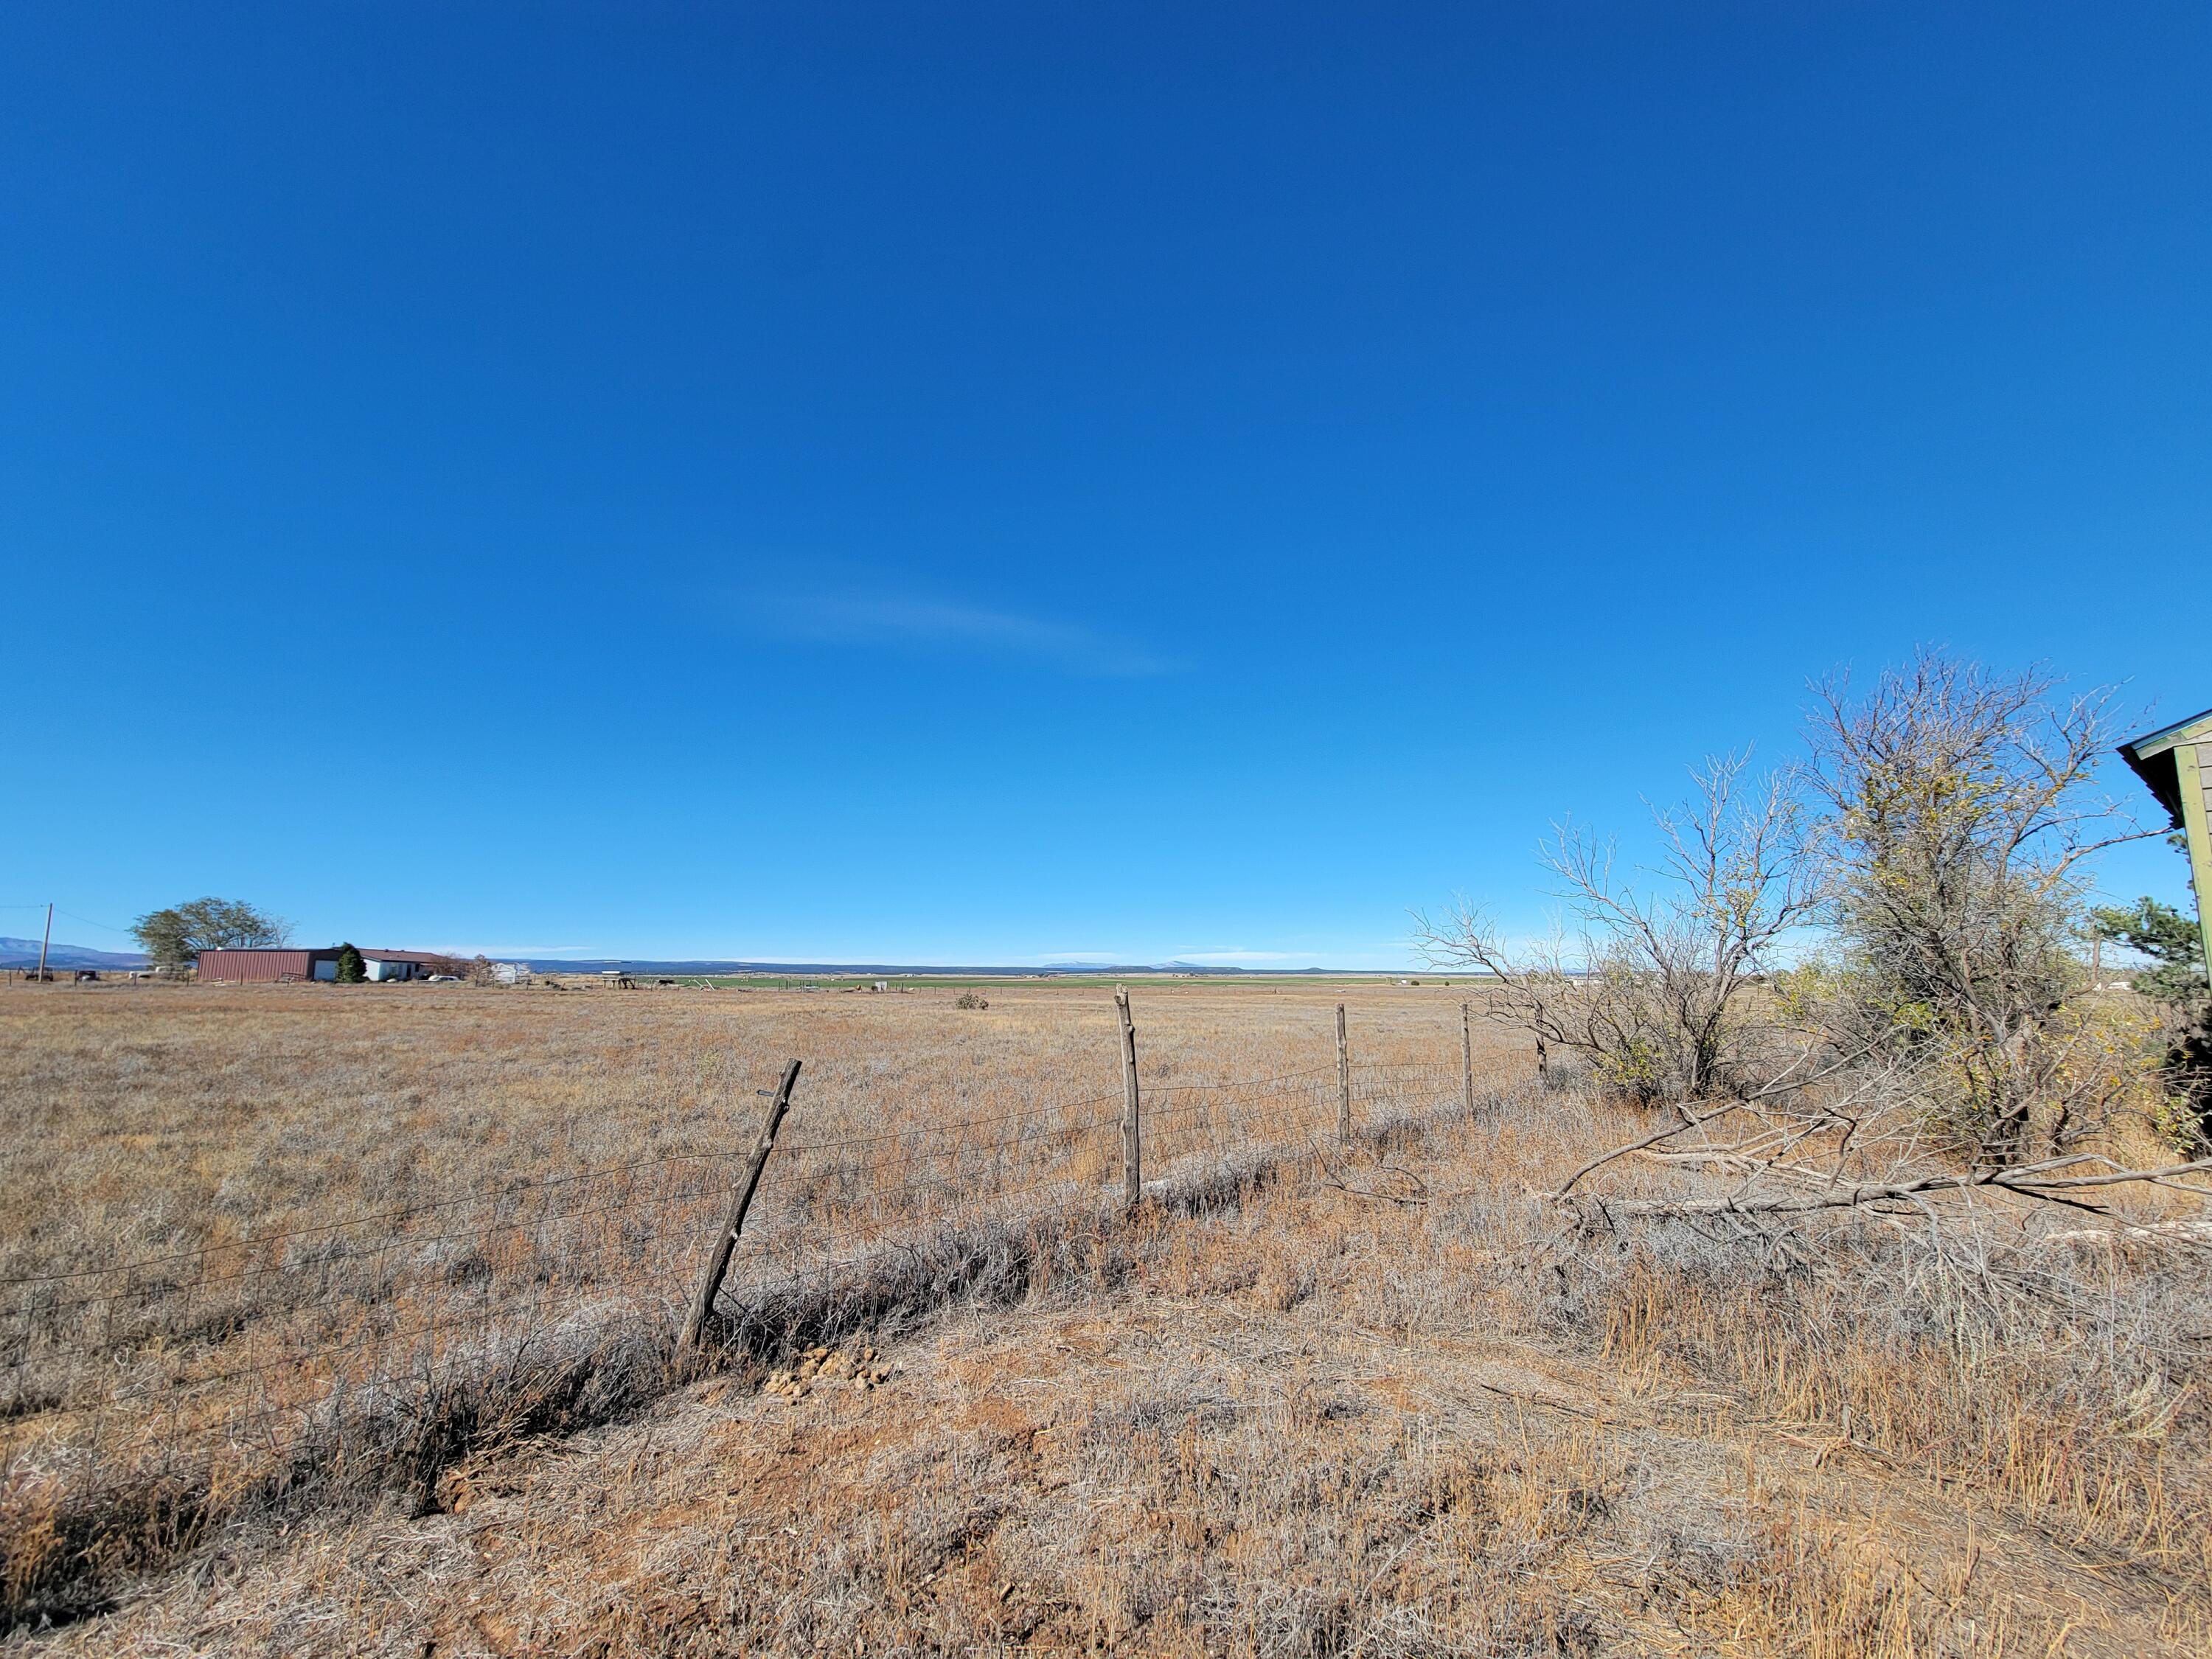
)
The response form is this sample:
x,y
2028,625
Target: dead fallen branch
x,y
2031,1181
1411,1189
1652,1140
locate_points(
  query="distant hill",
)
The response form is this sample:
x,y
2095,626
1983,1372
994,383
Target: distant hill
x,y
24,953
907,970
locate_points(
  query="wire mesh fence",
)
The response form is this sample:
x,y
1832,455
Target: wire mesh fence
x,y
338,1340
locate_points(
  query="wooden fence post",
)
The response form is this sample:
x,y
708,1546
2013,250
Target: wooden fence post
x,y
1343,1081
741,1200
1133,1140
1466,1056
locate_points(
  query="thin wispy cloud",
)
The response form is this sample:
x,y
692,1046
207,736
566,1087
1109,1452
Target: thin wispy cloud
x,y
855,616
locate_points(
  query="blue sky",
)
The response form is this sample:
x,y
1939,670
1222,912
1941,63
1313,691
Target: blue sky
x,y
1017,483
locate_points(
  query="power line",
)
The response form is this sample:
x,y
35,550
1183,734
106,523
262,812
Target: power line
x,y
103,926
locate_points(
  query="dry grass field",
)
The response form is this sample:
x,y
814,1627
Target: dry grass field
x,y
339,1321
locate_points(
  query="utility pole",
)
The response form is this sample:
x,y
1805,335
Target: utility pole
x,y
44,942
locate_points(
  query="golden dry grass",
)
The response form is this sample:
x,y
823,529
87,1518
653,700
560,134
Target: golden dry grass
x,y
146,1119
1314,1404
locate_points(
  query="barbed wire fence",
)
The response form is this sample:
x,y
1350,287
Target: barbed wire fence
x,y
356,1343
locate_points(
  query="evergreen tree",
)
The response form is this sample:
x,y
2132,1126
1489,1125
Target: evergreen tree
x,y
2166,937
2176,978
2161,932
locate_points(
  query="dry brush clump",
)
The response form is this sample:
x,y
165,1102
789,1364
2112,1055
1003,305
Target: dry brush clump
x,y
2038,1366
2063,1374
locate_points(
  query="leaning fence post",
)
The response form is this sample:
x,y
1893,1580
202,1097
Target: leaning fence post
x,y
733,1221
1466,1056
1132,1142
1343,1081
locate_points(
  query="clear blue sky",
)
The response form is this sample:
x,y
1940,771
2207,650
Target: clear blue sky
x,y
1011,482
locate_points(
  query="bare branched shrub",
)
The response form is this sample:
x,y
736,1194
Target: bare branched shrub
x,y
1656,990
1962,812
1940,1052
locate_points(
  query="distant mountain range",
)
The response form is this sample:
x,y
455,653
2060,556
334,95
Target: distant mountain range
x,y
907,970
24,953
